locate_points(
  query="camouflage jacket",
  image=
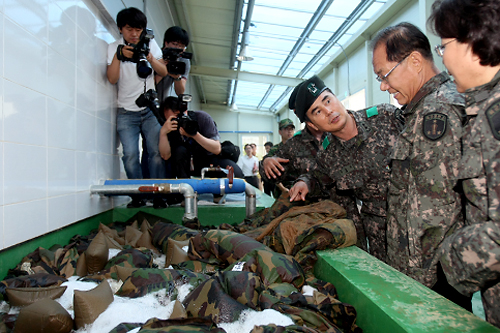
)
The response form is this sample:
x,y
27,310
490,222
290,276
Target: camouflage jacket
x,y
359,167
480,165
273,149
471,255
423,207
301,150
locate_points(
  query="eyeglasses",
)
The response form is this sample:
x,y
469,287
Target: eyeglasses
x,y
384,77
440,48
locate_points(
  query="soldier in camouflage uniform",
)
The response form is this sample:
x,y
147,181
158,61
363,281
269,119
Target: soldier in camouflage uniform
x,y
423,206
286,130
471,52
292,159
354,162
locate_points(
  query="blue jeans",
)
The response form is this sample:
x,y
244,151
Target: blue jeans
x,y
129,125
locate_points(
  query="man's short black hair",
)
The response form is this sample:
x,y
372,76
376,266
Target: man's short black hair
x,y
170,103
176,34
133,17
268,143
402,39
474,22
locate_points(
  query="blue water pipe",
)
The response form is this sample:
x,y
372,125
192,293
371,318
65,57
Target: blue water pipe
x,y
219,186
188,187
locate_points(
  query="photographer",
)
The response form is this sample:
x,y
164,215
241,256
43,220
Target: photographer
x,y
175,42
131,61
187,134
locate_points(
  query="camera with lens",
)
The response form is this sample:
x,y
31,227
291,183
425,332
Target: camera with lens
x,y
172,55
186,121
188,124
141,50
149,99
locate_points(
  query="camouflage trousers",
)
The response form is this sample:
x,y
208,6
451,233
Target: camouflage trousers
x,y
375,228
471,261
491,300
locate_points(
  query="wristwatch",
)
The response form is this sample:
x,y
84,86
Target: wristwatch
x,y
178,79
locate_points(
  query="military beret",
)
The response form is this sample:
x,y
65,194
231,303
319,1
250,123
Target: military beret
x,y
285,123
307,93
293,97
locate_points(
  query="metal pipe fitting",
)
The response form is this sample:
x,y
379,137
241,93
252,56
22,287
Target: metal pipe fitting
x,y
250,200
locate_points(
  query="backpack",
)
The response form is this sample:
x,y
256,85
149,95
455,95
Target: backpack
x,y
230,151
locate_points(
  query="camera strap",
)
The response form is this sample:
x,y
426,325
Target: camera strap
x,y
144,85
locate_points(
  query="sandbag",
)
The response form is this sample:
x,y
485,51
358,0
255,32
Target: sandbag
x,y
45,315
175,252
97,253
90,304
27,296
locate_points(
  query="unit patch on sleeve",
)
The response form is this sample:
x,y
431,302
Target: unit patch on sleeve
x,y
493,115
435,125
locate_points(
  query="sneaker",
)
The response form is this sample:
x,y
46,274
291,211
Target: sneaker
x,y
136,203
159,203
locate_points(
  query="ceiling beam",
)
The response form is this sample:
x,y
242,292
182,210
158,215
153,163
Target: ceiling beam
x,y
231,74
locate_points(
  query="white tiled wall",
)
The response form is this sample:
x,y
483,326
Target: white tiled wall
x,y
57,117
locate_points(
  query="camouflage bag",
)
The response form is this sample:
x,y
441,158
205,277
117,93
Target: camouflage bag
x,y
189,325
128,258
197,267
271,328
311,237
222,247
146,280
163,231
295,306
67,261
244,287
211,300
40,261
327,311
138,258
271,267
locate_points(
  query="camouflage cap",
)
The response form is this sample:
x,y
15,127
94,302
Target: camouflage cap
x,y
307,92
285,123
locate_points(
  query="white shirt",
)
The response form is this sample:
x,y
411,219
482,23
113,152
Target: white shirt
x,y
130,85
247,164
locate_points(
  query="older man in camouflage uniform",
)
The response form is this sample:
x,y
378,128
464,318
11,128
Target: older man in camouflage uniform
x,y
354,162
423,206
471,53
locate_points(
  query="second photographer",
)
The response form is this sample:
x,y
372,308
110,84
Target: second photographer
x,y
177,61
187,134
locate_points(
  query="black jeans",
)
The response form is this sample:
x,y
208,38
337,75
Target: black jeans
x,y
181,164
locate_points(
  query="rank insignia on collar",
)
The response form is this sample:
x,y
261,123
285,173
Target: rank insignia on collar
x,y
435,125
325,142
493,115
